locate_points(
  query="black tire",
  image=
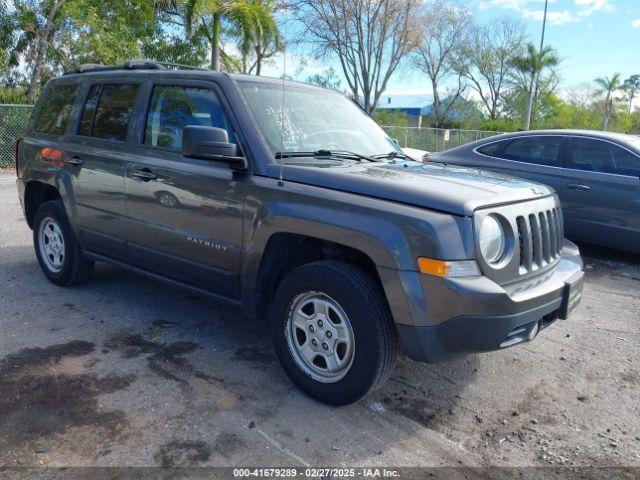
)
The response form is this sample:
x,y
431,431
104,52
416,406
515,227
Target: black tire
x,y
364,303
75,267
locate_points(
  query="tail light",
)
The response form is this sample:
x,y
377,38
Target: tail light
x,y
52,156
17,154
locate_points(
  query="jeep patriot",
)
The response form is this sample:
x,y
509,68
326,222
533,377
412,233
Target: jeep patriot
x,y
288,201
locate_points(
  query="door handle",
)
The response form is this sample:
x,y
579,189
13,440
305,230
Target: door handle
x,y
75,160
578,186
145,175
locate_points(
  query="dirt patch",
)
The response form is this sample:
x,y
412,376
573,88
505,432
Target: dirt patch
x,y
166,360
38,357
417,409
36,401
182,453
227,443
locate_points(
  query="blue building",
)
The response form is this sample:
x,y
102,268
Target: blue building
x,y
420,105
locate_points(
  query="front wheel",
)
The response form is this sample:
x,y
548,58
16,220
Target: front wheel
x,y
57,248
332,331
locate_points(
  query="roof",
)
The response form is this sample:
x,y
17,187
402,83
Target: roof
x,y
154,69
630,140
422,104
112,72
622,137
398,101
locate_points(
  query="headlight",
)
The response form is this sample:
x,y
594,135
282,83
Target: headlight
x,y
492,240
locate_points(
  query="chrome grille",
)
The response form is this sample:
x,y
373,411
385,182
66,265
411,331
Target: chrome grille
x,y
540,239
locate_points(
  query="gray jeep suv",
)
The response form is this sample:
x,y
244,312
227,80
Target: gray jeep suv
x,y
288,201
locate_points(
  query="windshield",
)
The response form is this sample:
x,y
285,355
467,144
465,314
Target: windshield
x,y
313,120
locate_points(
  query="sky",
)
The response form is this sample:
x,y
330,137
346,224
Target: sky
x,y
592,37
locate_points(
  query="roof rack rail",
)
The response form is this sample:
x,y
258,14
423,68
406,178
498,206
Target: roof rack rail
x,y
128,65
181,66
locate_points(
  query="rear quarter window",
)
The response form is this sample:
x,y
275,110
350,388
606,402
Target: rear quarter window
x,y
107,111
491,148
53,115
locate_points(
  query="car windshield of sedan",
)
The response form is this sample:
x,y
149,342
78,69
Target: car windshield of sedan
x,y
313,120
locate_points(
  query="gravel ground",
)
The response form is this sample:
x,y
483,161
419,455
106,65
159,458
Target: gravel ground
x,y
125,371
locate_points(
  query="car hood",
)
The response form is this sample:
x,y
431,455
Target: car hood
x,y
447,188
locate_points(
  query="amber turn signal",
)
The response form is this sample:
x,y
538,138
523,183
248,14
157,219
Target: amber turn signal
x,y
442,268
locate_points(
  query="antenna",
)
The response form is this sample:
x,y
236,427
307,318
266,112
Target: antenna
x,y
284,74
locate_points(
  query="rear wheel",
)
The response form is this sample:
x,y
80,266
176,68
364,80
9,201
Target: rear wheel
x,y
332,331
57,248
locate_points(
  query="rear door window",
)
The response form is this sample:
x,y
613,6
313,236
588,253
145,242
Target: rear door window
x,y
56,107
593,155
539,150
107,111
174,107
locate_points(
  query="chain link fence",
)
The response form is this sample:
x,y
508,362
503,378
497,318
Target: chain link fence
x,y
435,139
14,119
13,125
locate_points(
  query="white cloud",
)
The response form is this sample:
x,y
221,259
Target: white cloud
x,y
534,9
554,18
636,23
587,8
517,5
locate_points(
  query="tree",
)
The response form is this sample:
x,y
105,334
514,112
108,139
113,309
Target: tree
x,y
489,56
109,33
368,37
515,100
50,36
632,87
45,14
262,43
176,48
608,87
532,64
327,79
246,17
446,27
8,26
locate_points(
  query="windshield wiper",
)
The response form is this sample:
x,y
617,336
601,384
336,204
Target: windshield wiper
x,y
393,155
344,154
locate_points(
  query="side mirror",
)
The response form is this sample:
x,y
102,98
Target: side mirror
x,y
210,143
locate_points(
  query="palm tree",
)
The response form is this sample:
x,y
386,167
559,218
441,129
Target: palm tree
x,y
246,16
608,86
532,64
263,43
632,86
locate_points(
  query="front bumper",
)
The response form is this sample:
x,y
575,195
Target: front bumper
x,y
477,315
